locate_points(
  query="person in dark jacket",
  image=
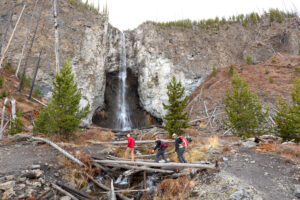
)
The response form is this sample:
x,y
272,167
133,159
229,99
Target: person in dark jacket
x,y
179,148
161,149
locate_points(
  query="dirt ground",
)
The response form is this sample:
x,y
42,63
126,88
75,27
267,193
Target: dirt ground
x,y
272,176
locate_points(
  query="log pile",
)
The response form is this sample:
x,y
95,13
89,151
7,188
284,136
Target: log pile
x,y
121,167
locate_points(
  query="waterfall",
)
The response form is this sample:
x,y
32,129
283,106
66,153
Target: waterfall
x,y
123,112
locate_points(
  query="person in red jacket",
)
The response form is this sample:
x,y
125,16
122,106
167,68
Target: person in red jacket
x,y
130,147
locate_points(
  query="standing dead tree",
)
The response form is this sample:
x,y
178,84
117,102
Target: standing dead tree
x,y
56,36
26,38
11,37
34,76
30,48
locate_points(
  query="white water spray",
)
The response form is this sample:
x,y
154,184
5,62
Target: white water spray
x,y
123,113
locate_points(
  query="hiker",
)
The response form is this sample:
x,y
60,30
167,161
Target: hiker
x,y
130,147
161,146
180,145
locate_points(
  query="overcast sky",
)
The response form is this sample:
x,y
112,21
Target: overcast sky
x,y
128,14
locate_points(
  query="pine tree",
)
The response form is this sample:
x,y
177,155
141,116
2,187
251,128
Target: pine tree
x,y
63,113
17,125
288,117
176,119
244,110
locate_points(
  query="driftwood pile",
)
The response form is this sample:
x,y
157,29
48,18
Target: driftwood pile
x,y
111,165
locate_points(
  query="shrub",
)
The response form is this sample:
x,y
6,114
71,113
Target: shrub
x,y
244,110
26,82
4,94
72,2
249,60
271,80
63,114
176,118
267,70
214,71
273,60
231,70
1,80
17,125
297,69
36,92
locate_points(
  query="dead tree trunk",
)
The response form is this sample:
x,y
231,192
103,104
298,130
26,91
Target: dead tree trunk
x,y
34,76
2,119
13,108
26,38
11,37
30,48
56,37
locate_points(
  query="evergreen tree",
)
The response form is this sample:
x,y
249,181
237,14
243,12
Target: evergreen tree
x,y
288,117
63,114
17,125
244,110
176,119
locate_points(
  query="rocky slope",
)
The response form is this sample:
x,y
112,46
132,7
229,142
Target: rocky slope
x,y
83,40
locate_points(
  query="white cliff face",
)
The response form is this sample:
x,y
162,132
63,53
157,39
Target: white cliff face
x,y
89,72
153,80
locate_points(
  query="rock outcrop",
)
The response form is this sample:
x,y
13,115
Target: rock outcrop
x,y
157,53
85,38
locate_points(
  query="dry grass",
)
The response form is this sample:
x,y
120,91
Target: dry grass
x,y
226,148
291,151
74,173
170,189
212,143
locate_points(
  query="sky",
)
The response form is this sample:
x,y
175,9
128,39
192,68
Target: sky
x,y
128,14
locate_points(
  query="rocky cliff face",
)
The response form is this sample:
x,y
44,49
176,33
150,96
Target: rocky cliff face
x,y
85,38
156,54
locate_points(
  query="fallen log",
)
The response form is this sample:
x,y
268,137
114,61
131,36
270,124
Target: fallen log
x,y
170,164
63,191
104,187
75,191
136,142
36,100
141,168
65,153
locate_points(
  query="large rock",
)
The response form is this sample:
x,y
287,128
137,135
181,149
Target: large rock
x,y
7,185
296,191
240,195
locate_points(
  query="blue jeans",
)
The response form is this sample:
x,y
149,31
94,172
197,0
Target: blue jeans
x,y
180,155
161,152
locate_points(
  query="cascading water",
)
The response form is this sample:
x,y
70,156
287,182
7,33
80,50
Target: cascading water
x,y
123,112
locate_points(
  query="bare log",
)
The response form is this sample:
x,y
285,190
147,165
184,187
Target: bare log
x,y
34,76
56,36
170,164
112,191
26,38
36,100
63,191
104,187
11,37
30,48
136,142
3,113
65,153
141,168
75,191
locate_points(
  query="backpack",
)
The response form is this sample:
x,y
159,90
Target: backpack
x,y
184,142
163,145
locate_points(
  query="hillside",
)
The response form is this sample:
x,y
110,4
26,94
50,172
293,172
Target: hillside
x,y
269,79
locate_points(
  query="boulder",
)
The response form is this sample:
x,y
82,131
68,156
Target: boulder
x,y
249,144
240,195
297,191
7,185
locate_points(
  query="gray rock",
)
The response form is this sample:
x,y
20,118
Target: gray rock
x,y
9,177
249,144
252,162
8,194
20,186
35,166
7,185
296,191
240,195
